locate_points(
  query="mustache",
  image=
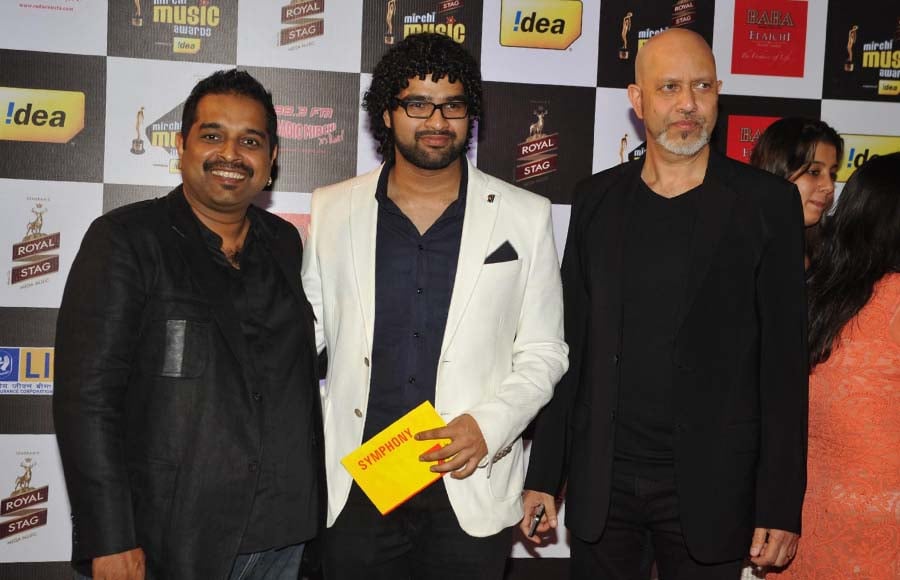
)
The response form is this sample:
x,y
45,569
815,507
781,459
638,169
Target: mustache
x,y
695,119
432,133
224,166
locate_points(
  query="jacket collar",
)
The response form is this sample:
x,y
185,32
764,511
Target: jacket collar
x,y
207,277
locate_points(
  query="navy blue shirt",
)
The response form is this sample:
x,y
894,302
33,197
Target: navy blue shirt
x,y
414,275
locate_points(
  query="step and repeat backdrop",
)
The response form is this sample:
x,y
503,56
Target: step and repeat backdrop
x,y
91,95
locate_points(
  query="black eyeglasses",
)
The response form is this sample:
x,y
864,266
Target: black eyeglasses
x,y
425,109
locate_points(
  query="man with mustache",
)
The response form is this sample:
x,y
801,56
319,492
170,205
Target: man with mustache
x,y
186,403
431,281
680,428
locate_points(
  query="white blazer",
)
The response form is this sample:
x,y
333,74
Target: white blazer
x,y
502,351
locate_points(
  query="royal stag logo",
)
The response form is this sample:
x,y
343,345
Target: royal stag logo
x,y
22,503
538,154
34,251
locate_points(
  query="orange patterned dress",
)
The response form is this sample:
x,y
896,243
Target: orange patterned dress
x,y
851,515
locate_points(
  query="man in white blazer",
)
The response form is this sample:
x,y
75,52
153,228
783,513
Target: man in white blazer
x,y
431,280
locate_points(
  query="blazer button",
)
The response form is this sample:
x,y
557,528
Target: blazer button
x,y
615,359
253,467
357,412
366,361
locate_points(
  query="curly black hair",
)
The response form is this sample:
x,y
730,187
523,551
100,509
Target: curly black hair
x,y
231,82
419,55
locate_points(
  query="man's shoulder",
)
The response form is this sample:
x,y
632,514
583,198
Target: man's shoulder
x,y
612,174
369,178
272,220
747,180
591,190
137,214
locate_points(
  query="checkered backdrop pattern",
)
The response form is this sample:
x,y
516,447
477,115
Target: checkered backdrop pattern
x,y
91,95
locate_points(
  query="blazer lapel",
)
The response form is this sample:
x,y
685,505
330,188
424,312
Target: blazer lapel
x,y
482,206
205,275
714,207
363,229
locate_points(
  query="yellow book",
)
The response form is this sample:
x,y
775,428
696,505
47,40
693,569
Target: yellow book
x,y
387,466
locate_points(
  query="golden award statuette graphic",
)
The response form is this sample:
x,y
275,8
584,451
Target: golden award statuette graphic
x,y
137,144
138,18
851,40
623,146
20,505
391,8
626,27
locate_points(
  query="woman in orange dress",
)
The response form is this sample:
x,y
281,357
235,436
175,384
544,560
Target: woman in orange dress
x,y
851,515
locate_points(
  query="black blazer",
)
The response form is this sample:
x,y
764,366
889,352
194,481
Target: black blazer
x,y
738,365
158,450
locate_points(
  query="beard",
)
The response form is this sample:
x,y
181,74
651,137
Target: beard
x,y
684,144
425,158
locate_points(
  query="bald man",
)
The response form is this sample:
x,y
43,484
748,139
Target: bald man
x,y
679,430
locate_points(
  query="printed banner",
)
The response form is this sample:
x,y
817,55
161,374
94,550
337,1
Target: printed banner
x,y
862,51
34,509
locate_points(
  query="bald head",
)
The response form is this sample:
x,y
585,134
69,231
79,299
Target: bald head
x,y
676,92
674,43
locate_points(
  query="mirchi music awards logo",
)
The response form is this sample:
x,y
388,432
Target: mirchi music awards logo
x,y
162,133
882,55
862,52
23,510
442,19
538,154
188,22
36,255
191,30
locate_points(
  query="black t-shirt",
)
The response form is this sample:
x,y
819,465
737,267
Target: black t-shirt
x,y
657,248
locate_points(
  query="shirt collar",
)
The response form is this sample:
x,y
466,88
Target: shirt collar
x,y
381,189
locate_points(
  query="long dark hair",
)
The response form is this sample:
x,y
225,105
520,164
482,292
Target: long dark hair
x,y
787,148
861,243
423,55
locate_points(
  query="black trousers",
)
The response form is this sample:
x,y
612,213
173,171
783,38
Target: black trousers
x,y
421,539
643,526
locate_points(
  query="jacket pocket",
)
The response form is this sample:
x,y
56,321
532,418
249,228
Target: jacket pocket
x,y
175,348
508,473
